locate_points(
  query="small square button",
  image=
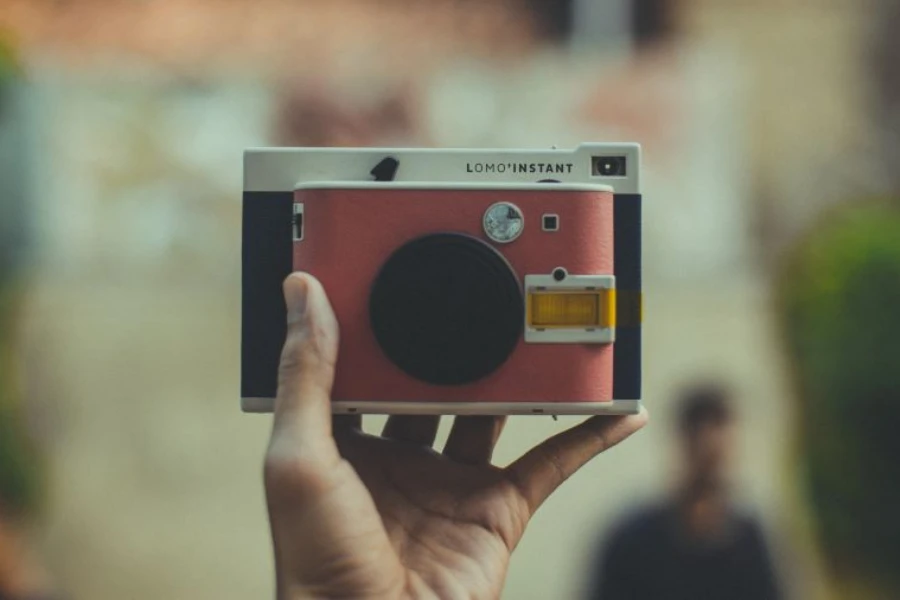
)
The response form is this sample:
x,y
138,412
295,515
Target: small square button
x,y
550,222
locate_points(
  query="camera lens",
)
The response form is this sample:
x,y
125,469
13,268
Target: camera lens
x,y
447,309
609,166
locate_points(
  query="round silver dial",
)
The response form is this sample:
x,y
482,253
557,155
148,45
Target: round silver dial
x,y
503,222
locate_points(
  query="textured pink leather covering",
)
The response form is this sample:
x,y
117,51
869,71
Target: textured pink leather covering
x,y
349,233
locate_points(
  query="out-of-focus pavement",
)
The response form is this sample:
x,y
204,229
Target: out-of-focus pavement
x,y
157,479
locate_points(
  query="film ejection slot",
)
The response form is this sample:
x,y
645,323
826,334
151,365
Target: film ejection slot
x,y
298,222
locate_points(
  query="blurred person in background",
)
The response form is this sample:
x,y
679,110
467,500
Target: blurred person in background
x,y
696,544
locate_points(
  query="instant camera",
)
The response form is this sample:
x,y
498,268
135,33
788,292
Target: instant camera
x,y
464,281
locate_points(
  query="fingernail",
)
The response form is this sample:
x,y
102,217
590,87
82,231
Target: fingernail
x,y
295,292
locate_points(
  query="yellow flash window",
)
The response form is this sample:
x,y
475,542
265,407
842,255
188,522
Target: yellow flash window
x,y
592,308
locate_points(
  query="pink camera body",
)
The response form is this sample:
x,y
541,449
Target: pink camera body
x,y
348,232
465,281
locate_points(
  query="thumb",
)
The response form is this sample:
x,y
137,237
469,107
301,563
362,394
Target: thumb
x,y
306,371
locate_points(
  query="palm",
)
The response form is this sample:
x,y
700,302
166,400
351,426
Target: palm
x,y
452,525
360,516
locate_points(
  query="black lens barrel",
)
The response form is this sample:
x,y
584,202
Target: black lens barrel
x,y
447,309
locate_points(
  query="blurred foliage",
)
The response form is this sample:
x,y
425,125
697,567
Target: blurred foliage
x,y
20,472
839,309
10,66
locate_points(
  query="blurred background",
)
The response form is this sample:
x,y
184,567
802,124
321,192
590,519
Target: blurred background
x,y
126,467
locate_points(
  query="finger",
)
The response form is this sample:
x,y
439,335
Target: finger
x,y
472,439
420,430
543,469
306,371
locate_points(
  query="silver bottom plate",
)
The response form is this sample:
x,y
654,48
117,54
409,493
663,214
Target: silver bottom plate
x,y
616,407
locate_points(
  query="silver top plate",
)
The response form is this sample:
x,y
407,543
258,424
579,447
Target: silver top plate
x,y
281,169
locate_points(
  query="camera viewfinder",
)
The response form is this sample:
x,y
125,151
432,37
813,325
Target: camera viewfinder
x,y
608,166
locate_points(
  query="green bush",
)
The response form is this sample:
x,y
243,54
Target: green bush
x,y
839,310
20,473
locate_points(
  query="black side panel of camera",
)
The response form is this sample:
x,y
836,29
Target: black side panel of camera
x,y
266,260
627,248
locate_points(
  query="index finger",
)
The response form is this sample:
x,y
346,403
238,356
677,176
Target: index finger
x,y
541,470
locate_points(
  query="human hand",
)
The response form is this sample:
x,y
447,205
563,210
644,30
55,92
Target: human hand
x,y
360,516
